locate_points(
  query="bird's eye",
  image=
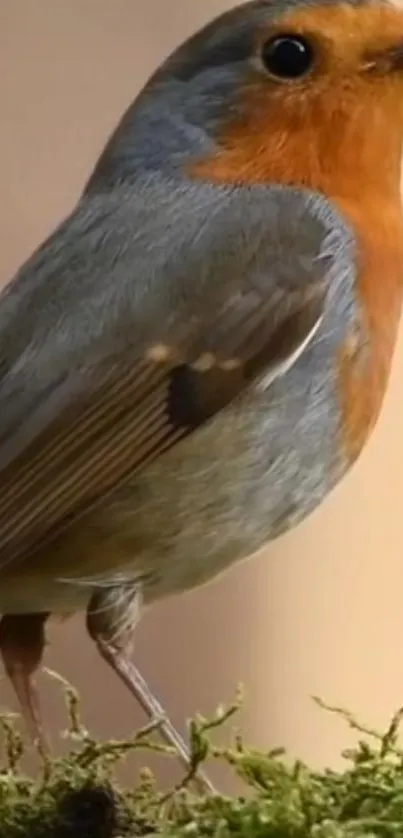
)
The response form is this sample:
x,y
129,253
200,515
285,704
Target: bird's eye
x,y
288,57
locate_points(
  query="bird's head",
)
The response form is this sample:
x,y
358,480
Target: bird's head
x,y
302,92
307,93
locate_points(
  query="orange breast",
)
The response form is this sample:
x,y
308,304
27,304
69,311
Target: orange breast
x,y
362,381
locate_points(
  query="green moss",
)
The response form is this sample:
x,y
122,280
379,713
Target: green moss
x,y
77,795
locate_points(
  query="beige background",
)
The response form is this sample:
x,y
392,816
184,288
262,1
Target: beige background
x,y
320,612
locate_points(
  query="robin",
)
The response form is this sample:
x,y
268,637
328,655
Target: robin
x,y
199,353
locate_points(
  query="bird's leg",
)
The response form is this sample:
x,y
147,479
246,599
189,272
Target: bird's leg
x,y
111,618
22,641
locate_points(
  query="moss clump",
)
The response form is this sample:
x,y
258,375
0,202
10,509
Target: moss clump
x,y
77,795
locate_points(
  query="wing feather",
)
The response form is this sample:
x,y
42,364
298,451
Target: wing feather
x,y
79,417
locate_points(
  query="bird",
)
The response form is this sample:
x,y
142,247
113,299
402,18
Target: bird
x,y
198,354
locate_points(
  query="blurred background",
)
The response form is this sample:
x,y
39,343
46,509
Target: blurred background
x,y
320,611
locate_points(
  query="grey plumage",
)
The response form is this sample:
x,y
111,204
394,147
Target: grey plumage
x,y
126,271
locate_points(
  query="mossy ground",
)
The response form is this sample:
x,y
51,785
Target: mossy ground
x,y
77,795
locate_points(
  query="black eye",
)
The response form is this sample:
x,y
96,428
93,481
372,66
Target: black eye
x,y
288,56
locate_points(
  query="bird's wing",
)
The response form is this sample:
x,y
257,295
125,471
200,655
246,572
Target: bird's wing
x,y
132,326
